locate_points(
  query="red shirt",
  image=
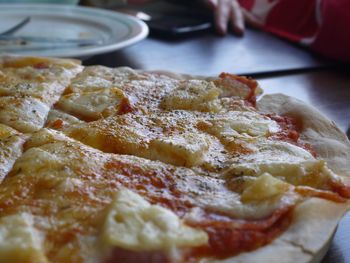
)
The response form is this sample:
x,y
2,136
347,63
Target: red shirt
x,y
323,25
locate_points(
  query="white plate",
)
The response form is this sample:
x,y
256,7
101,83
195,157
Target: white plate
x,y
113,30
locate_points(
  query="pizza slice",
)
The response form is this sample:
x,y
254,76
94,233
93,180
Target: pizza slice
x,y
29,87
11,145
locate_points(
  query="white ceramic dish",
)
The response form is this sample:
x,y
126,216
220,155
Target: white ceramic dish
x,y
110,29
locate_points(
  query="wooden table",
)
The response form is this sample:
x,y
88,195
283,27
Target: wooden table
x,y
280,66
209,54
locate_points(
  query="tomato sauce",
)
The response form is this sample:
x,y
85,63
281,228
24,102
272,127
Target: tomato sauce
x,y
227,236
311,192
128,256
157,187
57,124
290,128
340,188
250,83
41,65
290,132
124,107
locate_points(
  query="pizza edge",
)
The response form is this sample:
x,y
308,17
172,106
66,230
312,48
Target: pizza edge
x,y
314,221
13,59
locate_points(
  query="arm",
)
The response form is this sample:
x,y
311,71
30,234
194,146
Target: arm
x,y
321,25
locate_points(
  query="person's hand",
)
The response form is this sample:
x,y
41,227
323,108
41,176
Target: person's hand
x,y
230,13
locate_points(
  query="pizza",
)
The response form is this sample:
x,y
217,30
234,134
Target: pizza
x,y
117,165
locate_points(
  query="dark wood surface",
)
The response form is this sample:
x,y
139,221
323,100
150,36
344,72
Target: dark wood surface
x,y
206,54
209,54
327,90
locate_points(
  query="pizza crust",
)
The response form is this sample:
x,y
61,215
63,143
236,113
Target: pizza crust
x,y
14,60
314,221
306,239
330,143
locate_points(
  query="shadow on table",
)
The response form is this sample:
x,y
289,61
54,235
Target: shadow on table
x,y
334,255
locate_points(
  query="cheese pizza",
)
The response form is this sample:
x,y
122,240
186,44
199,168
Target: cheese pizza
x,y
116,165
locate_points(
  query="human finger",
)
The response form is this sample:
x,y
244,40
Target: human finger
x,y
237,18
222,16
252,20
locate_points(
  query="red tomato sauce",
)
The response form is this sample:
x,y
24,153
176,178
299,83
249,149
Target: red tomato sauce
x,y
227,236
250,83
340,188
290,131
124,107
57,124
290,128
311,192
41,65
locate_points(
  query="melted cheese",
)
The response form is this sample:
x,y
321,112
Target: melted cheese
x,y
143,90
182,149
48,93
198,95
27,71
20,242
133,223
144,136
36,160
11,143
29,87
25,114
97,77
60,120
282,160
239,124
94,105
265,186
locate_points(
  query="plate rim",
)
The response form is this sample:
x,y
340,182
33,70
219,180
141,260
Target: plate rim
x,y
137,26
